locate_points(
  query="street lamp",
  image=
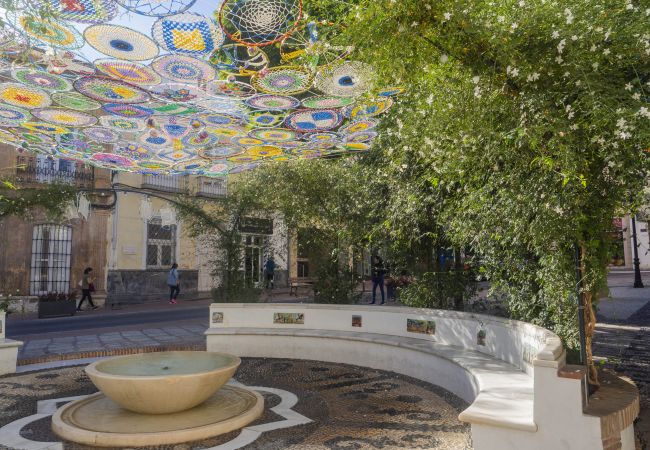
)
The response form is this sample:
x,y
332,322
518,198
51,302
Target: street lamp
x,y
638,283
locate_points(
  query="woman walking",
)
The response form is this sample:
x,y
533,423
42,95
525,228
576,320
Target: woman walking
x,y
86,288
173,283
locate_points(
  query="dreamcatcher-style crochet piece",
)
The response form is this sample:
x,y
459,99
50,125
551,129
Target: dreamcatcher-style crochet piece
x,y
133,151
221,119
44,127
391,91
112,161
369,108
263,151
128,71
284,80
265,118
76,101
309,45
246,141
220,151
273,135
41,80
47,32
17,94
156,8
175,109
122,124
177,92
101,134
350,79
109,90
326,102
121,42
361,136
245,167
60,62
176,156
357,126
130,111
65,117
188,33
323,136
184,69
83,11
239,60
193,166
314,120
217,170
271,102
199,140
153,167
258,23
12,116
225,88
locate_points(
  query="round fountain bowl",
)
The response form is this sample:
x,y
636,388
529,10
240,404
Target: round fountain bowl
x,y
162,383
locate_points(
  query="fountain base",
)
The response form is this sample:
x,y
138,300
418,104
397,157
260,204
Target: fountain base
x,y
97,420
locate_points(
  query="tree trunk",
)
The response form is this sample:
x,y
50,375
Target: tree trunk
x,y
590,323
458,275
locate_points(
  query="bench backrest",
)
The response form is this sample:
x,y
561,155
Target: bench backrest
x,y
517,343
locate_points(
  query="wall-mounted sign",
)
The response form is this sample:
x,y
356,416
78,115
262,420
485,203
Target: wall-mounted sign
x,y
129,250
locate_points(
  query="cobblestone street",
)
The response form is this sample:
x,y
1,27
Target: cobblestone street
x,y
624,341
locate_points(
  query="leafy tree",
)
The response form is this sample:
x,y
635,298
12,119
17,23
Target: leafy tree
x,y
530,120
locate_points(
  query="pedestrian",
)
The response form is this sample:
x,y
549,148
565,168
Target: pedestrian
x,y
87,287
173,283
269,269
377,275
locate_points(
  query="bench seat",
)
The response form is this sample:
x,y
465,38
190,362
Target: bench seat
x,y
505,393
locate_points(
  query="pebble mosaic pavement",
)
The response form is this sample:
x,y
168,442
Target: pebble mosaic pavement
x,y
352,408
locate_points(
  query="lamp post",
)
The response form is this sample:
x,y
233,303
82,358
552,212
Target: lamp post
x,y
638,283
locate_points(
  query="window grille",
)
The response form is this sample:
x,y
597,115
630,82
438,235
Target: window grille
x,y
50,267
161,245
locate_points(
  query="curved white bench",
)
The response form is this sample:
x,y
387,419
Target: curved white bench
x,y
508,371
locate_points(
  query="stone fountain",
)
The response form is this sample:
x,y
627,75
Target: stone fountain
x,y
158,398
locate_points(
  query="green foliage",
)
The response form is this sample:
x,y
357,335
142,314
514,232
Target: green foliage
x,y
441,290
52,199
525,127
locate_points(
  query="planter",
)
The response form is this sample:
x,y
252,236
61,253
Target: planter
x,y
56,308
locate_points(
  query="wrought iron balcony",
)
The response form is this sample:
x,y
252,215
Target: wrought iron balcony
x,y
212,187
167,183
30,169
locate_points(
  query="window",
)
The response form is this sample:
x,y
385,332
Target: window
x,y
50,270
161,245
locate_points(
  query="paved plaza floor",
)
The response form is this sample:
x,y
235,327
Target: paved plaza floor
x,y
345,407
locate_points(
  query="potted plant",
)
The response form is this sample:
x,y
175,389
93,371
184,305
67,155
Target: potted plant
x,y
55,304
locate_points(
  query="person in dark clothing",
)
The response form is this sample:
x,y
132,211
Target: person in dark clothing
x,y
269,269
377,275
173,283
86,284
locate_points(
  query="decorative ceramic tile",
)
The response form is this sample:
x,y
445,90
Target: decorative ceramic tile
x,y
356,321
421,326
217,317
289,318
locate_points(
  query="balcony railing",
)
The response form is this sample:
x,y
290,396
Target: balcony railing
x,y
212,187
37,170
167,183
